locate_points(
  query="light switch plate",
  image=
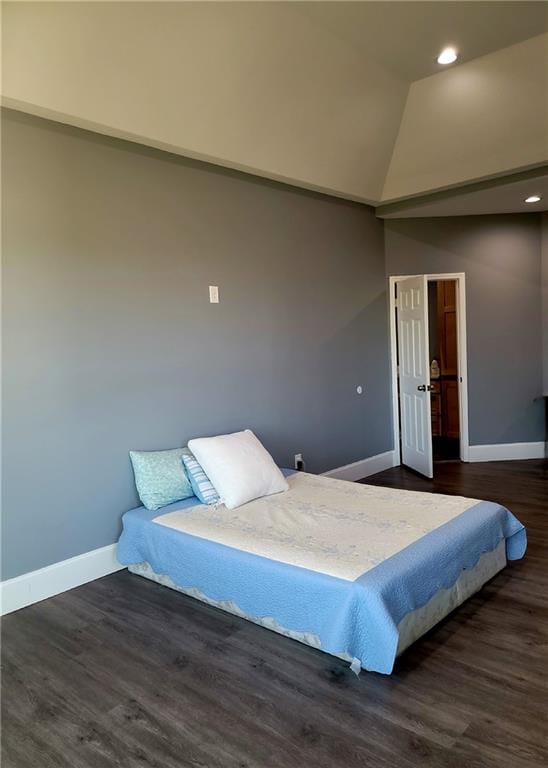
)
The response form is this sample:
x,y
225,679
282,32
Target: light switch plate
x,y
213,294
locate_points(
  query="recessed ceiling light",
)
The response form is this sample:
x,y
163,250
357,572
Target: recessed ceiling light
x,y
447,56
533,199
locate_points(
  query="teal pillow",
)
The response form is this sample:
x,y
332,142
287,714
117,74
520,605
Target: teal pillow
x,y
160,477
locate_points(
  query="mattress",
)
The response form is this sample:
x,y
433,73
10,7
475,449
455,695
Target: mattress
x,y
357,571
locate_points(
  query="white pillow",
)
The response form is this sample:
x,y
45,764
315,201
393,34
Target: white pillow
x,y
239,467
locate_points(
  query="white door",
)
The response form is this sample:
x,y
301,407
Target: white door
x,y
414,374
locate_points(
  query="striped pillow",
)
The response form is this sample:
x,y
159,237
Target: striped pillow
x,y
200,482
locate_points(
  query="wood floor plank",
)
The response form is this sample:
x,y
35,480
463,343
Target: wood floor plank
x,y
124,672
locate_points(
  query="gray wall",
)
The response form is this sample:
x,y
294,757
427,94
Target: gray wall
x,y
110,342
545,302
501,258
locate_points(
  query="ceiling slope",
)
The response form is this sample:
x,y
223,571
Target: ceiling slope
x,y
253,86
406,37
314,94
481,119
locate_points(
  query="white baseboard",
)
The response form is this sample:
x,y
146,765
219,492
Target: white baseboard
x,y
364,467
53,579
46,582
506,452
38,585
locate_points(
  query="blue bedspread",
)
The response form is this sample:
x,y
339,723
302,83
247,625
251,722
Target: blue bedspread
x,y
358,617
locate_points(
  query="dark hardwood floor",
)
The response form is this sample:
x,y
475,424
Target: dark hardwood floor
x,y
123,672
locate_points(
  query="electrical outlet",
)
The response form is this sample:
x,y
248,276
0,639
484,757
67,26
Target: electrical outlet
x,y
299,463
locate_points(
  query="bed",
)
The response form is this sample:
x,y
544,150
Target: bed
x,y
357,571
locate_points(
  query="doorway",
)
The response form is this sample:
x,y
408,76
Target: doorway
x,y
443,355
429,369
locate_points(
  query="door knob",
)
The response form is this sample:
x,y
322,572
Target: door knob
x,y
422,388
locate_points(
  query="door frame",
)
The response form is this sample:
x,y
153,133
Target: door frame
x,y
462,358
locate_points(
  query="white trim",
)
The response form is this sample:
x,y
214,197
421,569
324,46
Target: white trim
x,y
392,302
507,451
364,467
462,363
59,577
462,352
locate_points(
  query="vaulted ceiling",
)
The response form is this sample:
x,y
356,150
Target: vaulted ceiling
x,y
341,97
406,37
